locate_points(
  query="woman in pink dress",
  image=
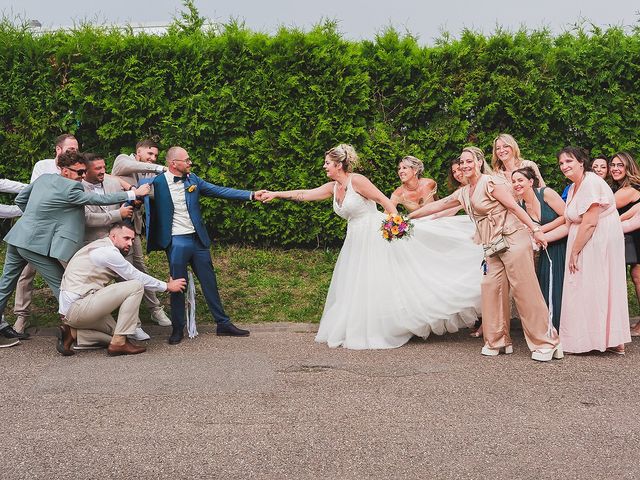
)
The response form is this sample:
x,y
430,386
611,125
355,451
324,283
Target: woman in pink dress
x,y
595,315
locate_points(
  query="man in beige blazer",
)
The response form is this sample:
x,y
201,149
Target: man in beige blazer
x,y
99,218
87,296
131,169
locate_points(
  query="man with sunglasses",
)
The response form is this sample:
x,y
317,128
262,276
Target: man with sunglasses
x,y
51,229
24,291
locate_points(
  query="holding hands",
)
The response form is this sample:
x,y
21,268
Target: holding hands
x,y
539,238
265,196
259,195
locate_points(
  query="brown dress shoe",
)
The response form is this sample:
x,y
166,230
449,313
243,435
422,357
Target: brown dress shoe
x,y
65,340
125,349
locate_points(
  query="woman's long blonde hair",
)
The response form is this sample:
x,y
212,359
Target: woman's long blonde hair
x,y
496,163
480,159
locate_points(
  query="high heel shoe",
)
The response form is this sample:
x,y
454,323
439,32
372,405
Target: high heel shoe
x,y
546,354
492,352
476,334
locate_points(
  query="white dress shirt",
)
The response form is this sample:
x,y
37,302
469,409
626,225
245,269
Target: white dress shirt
x,y
182,224
44,166
9,186
111,258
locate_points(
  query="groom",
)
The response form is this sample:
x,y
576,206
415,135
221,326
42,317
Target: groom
x,y
174,224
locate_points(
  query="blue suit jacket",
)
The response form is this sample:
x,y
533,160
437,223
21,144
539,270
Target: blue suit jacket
x,y
159,209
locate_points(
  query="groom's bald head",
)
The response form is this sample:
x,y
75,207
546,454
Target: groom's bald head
x,y
178,160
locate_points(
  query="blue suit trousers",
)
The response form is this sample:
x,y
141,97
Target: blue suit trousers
x,y
187,250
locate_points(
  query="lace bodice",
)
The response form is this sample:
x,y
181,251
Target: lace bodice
x,y
354,205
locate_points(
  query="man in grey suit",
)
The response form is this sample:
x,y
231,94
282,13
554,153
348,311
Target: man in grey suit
x,y
24,291
131,169
51,229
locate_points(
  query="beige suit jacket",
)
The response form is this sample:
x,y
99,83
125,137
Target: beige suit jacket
x,y
99,218
132,171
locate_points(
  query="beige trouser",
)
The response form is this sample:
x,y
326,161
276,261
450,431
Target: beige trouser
x,y
91,315
514,271
136,258
24,292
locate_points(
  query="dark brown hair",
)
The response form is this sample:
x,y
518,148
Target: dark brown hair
x,y
632,177
579,153
91,157
147,143
61,138
529,174
453,183
70,158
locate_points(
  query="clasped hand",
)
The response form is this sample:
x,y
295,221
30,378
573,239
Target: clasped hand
x,y
264,196
540,239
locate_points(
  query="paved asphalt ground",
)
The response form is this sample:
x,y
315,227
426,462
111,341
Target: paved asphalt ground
x,y
278,405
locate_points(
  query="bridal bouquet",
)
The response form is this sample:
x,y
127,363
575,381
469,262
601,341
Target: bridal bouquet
x,y
396,226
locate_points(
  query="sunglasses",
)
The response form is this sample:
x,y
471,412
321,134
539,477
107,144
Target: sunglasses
x,y
80,171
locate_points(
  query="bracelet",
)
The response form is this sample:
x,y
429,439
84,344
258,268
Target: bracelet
x,y
536,229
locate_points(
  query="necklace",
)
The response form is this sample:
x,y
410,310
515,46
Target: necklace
x,y
406,187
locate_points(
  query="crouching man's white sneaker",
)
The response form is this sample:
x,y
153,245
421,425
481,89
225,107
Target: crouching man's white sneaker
x,y
139,335
161,318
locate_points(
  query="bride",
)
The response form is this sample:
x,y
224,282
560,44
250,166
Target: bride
x,y
381,293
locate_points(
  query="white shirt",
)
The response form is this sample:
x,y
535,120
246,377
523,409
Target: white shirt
x,y
44,166
182,224
9,186
111,258
93,187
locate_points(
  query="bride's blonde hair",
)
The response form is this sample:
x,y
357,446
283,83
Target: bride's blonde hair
x,y
344,154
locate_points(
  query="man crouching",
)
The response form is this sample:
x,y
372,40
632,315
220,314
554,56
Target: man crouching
x,y
87,298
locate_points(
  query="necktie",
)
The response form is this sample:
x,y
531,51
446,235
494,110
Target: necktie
x,y
180,179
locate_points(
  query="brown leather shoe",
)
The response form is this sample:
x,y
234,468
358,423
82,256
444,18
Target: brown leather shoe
x,y
125,349
65,340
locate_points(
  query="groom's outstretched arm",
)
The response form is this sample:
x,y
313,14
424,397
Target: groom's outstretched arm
x,y
211,190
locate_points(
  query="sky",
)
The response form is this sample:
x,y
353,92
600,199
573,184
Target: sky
x,y
357,19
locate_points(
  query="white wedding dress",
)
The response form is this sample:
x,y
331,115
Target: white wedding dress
x,y
382,293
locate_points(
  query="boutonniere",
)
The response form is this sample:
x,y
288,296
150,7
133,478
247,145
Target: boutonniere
x,y
191,189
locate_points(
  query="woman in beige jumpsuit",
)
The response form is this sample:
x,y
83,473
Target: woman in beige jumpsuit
x,y
489,201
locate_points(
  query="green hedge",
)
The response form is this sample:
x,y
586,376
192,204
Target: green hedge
x,y
257,110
